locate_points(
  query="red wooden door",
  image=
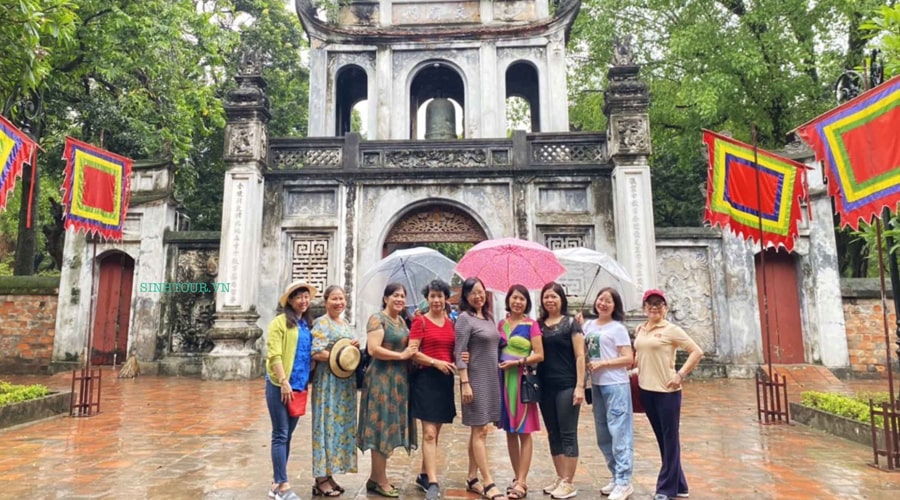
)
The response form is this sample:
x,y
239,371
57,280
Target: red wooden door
x,y
113,310
783,323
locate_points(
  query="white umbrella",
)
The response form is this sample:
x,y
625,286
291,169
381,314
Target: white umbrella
x,y
588,271
412,267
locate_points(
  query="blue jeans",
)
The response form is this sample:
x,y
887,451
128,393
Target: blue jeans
x,y
614,423
283,426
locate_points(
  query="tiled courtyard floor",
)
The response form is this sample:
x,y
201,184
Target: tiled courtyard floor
x,y
184,438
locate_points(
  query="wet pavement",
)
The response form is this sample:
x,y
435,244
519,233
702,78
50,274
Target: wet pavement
x,y
166,437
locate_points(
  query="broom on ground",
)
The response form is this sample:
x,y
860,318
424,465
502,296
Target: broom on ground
x,y
131,368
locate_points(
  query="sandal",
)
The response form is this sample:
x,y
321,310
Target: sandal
x,y
371,485
391,493
487,490
317,490
512,484
334,484
517,491
470,486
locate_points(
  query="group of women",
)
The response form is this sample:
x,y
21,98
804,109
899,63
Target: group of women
x,y
415,365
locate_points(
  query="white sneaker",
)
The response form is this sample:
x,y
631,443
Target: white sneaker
x,y
552,486
621,492
564,490
684,494
606,490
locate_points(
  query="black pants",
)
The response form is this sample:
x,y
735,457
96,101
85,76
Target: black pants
x,y
561,420
664,413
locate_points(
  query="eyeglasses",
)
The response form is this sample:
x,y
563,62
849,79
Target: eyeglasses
x,y
655,305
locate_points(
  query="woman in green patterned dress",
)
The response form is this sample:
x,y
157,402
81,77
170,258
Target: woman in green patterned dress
x,y
333,400
384,422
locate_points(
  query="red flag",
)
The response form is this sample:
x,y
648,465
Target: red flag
x,y
96,189
734,201
859,145
16,148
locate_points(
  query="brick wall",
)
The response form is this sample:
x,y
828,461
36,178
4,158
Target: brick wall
x,y
27,324
865,335
27,329
863,318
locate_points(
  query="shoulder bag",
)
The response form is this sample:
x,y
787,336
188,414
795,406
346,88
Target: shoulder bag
x,y
529,386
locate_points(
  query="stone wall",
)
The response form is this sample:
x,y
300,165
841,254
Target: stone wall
x,y
863,318
27,323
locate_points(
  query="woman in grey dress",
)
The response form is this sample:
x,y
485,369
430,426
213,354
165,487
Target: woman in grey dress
x,y
477,334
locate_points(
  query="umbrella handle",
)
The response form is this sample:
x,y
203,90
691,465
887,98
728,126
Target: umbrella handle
x,y
593,280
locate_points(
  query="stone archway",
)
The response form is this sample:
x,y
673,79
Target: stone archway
x,y
433,223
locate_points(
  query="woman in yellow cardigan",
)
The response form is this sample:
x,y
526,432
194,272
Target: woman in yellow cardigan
x,y
288,363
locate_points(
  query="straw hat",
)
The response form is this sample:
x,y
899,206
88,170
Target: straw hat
x,y
293,286
344,358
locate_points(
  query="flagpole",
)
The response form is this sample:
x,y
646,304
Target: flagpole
x,y
762,253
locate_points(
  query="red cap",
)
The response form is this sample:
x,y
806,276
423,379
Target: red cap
x,y
654,291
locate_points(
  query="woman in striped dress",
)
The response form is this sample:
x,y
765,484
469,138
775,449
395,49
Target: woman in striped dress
x,y
479,388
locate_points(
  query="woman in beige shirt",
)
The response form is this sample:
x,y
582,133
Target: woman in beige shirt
x,y
655,344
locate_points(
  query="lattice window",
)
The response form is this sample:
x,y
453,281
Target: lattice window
x,y
285,159
309,259
566,153
558,241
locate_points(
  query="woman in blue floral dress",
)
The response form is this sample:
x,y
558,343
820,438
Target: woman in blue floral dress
x,y
333,401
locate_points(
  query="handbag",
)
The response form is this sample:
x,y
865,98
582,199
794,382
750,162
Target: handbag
x,y
529,386
361,368
636,405
296,407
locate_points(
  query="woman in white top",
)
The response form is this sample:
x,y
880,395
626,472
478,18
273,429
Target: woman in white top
x,y
609,356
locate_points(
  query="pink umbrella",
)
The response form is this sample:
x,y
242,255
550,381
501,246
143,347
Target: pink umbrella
x,y
510,261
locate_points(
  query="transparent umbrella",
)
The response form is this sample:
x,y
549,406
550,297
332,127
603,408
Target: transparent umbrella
x,y
590,271
413,267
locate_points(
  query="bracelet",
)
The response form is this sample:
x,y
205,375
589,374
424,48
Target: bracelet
x,y
432,361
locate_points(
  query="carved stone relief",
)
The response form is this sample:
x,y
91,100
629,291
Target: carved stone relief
x,y
310,203
192,311
436,158
623,53
436,224
632,135
241,141
563,200
684,274
350,247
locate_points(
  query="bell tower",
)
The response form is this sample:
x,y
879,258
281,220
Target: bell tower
x,y
390,58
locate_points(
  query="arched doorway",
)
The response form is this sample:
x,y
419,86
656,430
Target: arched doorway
x,y
109,342
783,323
433,223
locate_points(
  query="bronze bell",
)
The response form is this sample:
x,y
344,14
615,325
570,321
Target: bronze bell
x,y
440,119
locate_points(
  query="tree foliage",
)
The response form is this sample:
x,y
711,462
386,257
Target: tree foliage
x,y
724,65
146,79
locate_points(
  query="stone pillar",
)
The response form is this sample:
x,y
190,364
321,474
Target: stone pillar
x,y
555,99
628,144
318,87
235,330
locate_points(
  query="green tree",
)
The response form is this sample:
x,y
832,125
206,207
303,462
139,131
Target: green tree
x,y
146,80
715,64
